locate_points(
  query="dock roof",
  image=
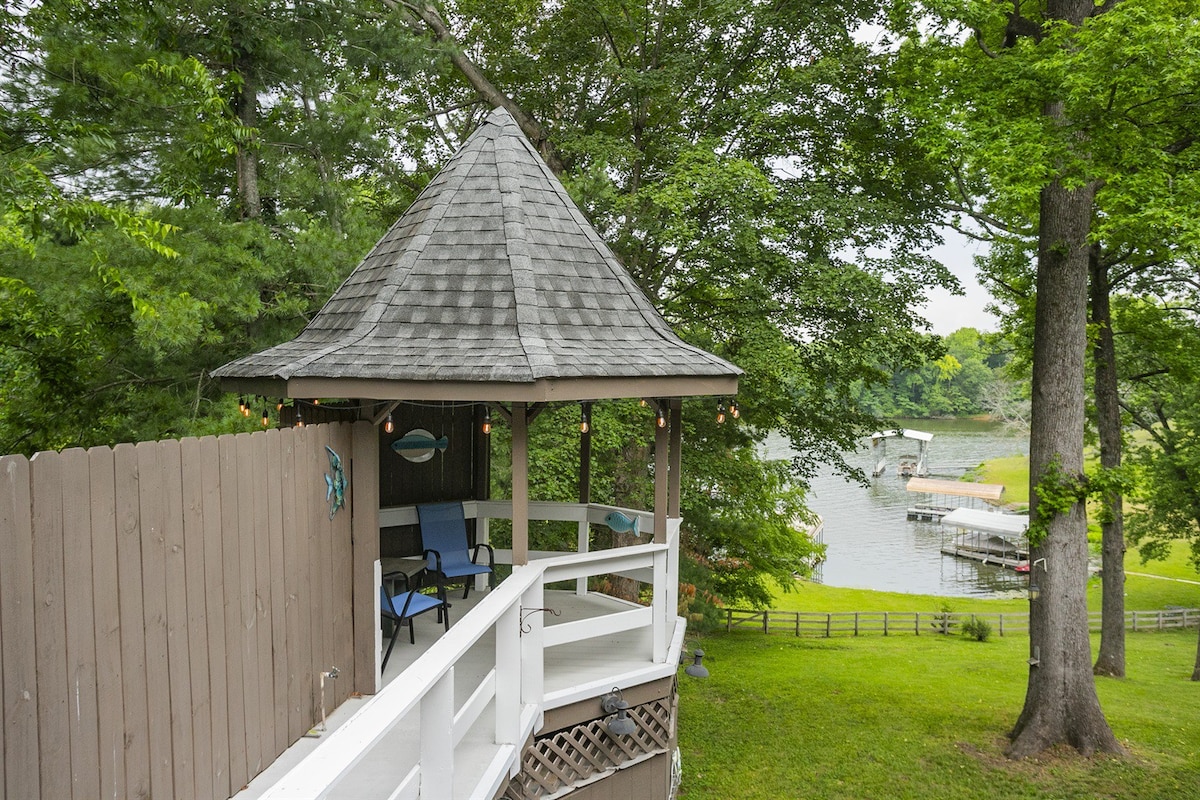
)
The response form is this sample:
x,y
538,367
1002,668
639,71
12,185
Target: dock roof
x,y
987,521
491,286
984,491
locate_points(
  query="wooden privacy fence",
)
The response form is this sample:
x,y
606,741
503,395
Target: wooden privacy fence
x,y
166,610
889,623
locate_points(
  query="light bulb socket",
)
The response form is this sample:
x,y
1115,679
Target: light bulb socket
x,y
585,418
660,418
388,425
487,421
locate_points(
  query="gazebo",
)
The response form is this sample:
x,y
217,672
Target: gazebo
x,y
493,293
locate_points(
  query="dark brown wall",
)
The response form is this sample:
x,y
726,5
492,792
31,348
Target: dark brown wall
x,y
460,472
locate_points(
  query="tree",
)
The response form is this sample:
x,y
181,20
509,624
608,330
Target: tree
x,y
1041,128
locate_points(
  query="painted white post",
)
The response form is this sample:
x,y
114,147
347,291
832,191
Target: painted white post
x,y
659,607
533,678
378,629
508,676
483,535
583,543
437,739
673,526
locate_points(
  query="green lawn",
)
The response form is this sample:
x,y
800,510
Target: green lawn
x,y
1011,471
909,717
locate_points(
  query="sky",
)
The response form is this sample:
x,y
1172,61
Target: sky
x,y
946,312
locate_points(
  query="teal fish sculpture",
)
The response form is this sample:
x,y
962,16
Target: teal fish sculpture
x,y
623,524
335,484
416,441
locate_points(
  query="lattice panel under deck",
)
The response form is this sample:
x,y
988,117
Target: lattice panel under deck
x,y
570,757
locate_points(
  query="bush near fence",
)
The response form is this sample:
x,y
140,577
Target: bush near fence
x,y
890,623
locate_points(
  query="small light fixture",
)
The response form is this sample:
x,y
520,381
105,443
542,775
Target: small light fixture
x,y
487,420
733,410
317,402
299,418
388,425
720,413
279,405
661,418
621,724
697,669
1035,592
266,419
585,418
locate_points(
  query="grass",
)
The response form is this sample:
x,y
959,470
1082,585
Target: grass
x,y
909,717
1012,471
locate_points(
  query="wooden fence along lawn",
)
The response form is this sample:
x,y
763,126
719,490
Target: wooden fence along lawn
x,y
889,623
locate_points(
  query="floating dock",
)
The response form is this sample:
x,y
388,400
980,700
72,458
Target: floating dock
x,y
989,537
943,492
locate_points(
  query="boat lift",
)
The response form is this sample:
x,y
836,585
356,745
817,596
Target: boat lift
x,y
909,467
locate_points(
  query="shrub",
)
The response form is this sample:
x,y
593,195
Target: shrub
x,y
977,629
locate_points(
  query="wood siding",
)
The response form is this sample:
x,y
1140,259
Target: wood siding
x,y
166,609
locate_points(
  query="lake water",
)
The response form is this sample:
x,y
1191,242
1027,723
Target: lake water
x,y
870,543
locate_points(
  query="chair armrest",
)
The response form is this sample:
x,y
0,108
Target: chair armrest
x,y
491,554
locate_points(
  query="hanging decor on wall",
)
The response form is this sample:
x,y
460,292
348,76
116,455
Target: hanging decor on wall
x,y
419,445
335,484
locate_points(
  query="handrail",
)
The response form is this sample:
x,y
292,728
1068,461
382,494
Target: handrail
x,y
515,684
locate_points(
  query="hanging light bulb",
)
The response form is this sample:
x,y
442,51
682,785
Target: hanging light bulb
x,y
661,418
317,402
642,402
243,409
279,405
733,410
585,423
720,413
266,417
388,425
299,419
487,420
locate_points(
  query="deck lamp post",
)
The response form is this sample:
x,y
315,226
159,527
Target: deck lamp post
x,y
697,669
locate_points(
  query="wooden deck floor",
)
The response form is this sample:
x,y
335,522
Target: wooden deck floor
x,y
592,666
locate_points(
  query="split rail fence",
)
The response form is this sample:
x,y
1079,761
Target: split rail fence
x,y
892,623
166,610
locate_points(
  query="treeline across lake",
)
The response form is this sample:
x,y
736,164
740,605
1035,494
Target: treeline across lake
x,y
972,377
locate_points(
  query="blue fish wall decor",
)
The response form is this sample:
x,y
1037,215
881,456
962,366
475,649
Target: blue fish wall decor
x,y
623,524
335,483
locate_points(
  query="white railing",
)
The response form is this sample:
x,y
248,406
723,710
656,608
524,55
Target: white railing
x,y
515,686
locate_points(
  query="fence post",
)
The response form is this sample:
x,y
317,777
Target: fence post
x,y
728,619
1001,624
766,621
856,623
885,623
917,624
797,623
1135,621
828,624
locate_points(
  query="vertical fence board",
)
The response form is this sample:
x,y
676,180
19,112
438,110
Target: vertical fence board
x,y
133,628
106,618
193,588
179,660
364,498
50,625
20,746
324,565
341,608
260,536
294,587
278,596
214,607
79,602
154,608
231,558
307,473
248,596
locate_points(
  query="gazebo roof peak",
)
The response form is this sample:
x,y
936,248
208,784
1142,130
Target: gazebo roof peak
x,y
491,286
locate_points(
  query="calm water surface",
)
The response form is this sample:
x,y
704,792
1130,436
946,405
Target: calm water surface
x,y
869,541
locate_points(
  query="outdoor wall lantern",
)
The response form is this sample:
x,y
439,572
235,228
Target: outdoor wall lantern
x,y
697,669
1035,592
621,724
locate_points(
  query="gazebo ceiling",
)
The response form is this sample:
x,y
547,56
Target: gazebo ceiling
x,y
491,287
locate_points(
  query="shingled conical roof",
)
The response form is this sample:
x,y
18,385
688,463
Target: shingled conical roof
x,y
492,285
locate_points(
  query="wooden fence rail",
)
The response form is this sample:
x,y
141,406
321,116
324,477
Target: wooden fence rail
x,y
891,623
166,609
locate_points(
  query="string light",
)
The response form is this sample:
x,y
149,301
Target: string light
x,y
242,407
388,425
266,417
585,423
733,410
279,405
661,418
299,419
720,413
487,421
317,402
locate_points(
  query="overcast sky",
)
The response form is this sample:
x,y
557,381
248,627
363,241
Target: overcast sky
x,y
946,312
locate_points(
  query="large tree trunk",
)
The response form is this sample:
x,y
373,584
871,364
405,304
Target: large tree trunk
x,y
1060,700
246,158
1111,660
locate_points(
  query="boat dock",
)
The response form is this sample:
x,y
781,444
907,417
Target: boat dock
x,y
945,496
989,537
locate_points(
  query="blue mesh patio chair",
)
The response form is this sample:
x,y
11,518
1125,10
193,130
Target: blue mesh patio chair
x,y
401,608
447,554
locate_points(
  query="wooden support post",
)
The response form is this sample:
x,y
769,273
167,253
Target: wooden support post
x,y
520,485
662,459
885,623
676,457
364,537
